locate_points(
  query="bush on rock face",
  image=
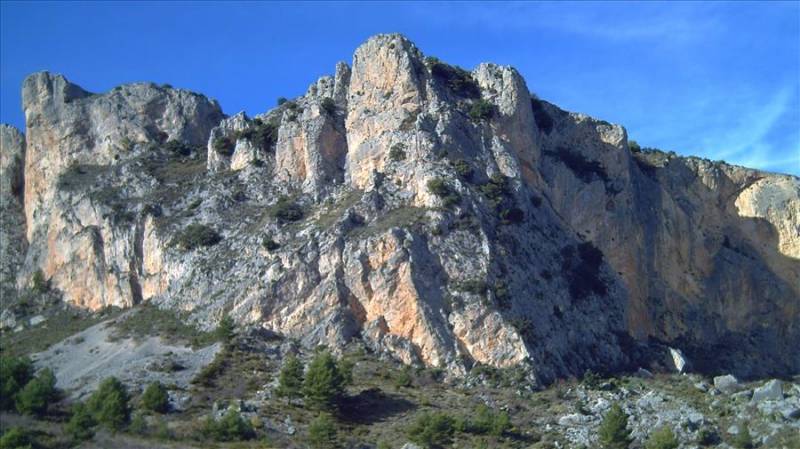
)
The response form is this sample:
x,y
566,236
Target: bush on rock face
x,y
196,235
482,110
287,210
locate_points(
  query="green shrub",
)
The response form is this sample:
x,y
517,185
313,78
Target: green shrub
x,y
474,286
458,80
138,425
497,189
178,148
485,421
281,100
613,432
287,210
634,146
109,404
322,433
397,152
463,169
743,439
431,430
707,437
662,438
403,378
39,284
443,190
260,133
328,105
223,145
290,379
15,373
324,382
512,215
231,427
155,398
226,329
80,423
269,244
482,110
196,235
211,371
15,438
37,394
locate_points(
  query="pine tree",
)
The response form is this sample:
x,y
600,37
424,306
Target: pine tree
x,y
322,433
613,432
37,394
155,398
80,423
109,404
290,380
324,384
226,329
15,373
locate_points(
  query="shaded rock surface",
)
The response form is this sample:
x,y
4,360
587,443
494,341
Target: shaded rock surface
x,y
443,216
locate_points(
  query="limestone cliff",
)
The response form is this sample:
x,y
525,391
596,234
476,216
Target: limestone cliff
x,y
443,216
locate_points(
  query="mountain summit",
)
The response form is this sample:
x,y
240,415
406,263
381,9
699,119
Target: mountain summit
x,y
445,217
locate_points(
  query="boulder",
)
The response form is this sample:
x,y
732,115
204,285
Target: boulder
x,y
679,360
771,391
726,384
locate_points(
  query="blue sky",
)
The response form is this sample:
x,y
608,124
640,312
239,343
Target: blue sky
x,y
717,80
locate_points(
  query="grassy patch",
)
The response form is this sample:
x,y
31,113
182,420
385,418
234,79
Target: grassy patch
x,y
400,217
148,320
58,326
334,212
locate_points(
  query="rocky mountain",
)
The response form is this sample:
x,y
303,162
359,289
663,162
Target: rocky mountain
x,y
444,217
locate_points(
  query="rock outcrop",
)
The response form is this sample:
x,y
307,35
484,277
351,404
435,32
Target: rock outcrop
x,y
12,217
443,216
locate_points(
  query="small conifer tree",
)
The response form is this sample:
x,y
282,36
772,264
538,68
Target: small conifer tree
x,y
324,383
290,380
613,432
155,398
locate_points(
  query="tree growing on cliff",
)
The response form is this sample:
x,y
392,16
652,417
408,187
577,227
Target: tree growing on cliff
x,y
613,432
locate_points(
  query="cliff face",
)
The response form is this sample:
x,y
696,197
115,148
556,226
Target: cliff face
x,y
443,216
